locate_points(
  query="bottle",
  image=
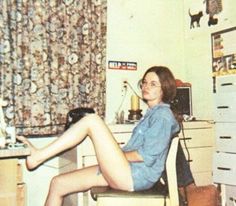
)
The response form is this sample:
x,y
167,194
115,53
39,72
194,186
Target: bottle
x,y
122,117
2,138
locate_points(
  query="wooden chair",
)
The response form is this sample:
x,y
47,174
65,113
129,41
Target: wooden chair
x,y
106,196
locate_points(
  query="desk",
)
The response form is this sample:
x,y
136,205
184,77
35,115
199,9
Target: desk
x,y
14,153
12,187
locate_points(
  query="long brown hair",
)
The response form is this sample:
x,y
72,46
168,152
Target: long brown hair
x,y
167,81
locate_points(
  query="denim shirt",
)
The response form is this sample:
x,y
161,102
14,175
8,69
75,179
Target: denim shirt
x,y
151,139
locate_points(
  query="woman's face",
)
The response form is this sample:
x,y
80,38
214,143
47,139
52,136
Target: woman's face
x,y
151,89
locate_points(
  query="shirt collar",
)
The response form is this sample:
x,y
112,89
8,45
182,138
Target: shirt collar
x,y
149,110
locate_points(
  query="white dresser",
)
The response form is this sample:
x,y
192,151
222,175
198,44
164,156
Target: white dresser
x,y
198,137
224,166
198,143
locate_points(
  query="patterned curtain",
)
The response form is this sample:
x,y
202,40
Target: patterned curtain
x,y
52,59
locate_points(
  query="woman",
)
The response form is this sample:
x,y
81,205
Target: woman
x,y
141,161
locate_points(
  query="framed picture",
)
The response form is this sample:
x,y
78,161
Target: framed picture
x,y
223,53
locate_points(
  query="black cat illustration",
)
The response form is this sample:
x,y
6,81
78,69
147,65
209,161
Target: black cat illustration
x,y
212,21
195,19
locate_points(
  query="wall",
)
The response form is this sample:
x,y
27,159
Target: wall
x,y
146,33
197,53
159,33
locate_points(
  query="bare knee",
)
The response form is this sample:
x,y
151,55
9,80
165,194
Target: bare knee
x,y
94,122
57,186
92,118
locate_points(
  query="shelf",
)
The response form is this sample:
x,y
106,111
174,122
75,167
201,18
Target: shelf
x,y
19,152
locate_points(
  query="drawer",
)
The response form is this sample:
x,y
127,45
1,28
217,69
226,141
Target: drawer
x,y
230,194
225,107
21,195
224,168
124,128
202,178
200,159
198,138
202,124
19,173
226,137
88,152
226,84
8,176
196,159
89,160
8,199
122,138
87,145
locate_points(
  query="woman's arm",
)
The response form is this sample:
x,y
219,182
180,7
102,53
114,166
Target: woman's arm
x,y
133,156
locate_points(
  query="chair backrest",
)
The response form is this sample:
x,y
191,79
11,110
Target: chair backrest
x,y
171,172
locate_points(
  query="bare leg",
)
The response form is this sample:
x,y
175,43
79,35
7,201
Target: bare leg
x,y
107,150
76,181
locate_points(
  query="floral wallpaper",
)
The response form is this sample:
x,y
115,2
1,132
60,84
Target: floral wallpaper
x,y
52,59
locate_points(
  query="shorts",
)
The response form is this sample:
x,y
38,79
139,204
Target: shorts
x,y
139,180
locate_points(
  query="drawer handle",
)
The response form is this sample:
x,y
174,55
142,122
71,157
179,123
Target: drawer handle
x,y
232,199
121,143
227,84
223,168
225,137
186,138
223,107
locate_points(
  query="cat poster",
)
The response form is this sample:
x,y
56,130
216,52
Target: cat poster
x,y
202,13
195,19
194,15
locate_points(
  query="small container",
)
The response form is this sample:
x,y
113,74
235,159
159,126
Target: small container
x,y
122,117
2,142
11,131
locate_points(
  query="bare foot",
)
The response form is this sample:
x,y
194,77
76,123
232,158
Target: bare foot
x,y
31,160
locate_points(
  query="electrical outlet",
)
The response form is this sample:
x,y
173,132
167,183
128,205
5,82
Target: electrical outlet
x,y
124,87
125,84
